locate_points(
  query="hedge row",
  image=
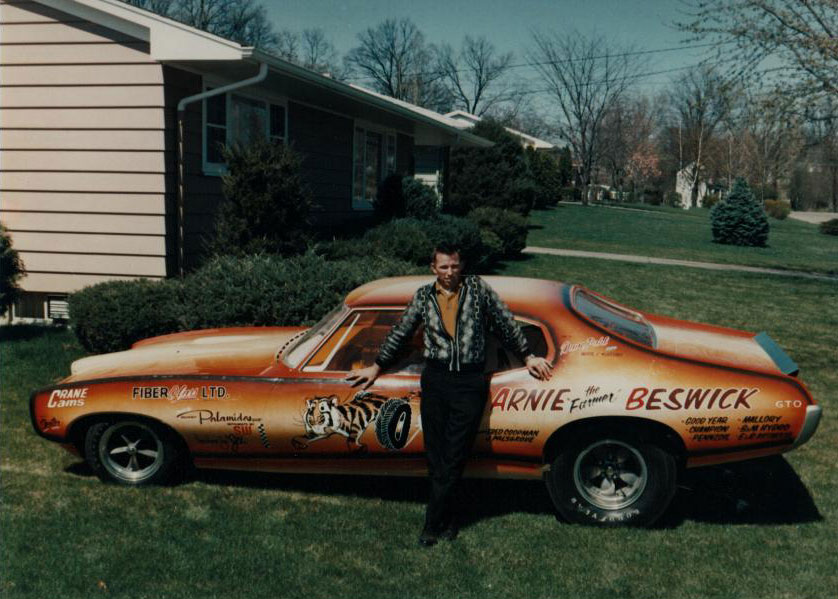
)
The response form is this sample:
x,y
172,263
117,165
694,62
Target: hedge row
x,y
252,291
486,236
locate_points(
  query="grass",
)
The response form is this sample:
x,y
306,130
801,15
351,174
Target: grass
x,y
664,232
763,529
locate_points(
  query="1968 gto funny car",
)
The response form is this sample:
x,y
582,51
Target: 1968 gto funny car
x,y
634,398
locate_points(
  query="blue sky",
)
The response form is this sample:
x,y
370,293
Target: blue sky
x,y
507,23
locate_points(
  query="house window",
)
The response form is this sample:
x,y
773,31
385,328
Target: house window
x,y
374,160
235,118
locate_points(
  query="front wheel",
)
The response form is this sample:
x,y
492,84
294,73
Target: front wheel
x,y
130,452
610,479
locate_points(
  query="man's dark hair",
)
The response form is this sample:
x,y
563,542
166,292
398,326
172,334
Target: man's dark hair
x,y
447,249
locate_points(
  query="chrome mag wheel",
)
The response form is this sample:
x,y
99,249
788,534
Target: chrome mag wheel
x,y
610,474
131,452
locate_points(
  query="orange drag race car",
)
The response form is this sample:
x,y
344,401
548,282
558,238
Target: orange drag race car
x,y
634,397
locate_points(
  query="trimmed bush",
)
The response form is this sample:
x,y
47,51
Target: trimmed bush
x,y
420,201
497,176
509,227
111,316
709,201
739,219
272,291
266,204
829,227
11,270
777,209
547,175
673,198
400,197
404,239
252,291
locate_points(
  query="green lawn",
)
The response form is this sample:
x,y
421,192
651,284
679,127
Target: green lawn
x,y
681,234
760,529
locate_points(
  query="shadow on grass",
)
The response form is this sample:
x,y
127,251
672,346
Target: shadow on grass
x,y
484,498
24,332
763,491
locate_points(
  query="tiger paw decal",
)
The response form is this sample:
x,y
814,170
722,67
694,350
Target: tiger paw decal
x,y
326,416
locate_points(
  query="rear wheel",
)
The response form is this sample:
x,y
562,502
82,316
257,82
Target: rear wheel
x,y
131,452
612,479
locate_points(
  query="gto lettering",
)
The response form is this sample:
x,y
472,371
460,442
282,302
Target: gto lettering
x,y
67,398
788,403
689,399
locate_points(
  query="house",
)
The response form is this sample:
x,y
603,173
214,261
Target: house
x,y
110,123
467,121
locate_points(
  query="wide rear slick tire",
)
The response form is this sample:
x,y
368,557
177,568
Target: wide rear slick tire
x,y
612,479
132,451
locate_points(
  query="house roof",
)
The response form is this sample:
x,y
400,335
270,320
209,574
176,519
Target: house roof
x,y
173,42
466,120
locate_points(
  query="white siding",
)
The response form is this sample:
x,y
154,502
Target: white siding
x,y
82,150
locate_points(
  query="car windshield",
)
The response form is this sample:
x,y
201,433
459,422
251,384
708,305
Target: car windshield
x,y
299,349
613,317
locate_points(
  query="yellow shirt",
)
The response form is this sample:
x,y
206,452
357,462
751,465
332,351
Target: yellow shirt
x,y
448,303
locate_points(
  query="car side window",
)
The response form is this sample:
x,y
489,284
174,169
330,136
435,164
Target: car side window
x,y
355,343
499,358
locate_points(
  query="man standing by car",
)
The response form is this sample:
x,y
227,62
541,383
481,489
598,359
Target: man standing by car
x,y
456,312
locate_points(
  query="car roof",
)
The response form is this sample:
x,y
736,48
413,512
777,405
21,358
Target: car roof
x,y
517,292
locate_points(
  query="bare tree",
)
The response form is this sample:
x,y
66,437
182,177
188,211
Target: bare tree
x,y
628,151
243,21
585,76
799,36
474,76
394,57
288,45
699,103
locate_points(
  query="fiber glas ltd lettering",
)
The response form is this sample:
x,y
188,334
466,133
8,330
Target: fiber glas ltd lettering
x,y
690,399
569,347
67,398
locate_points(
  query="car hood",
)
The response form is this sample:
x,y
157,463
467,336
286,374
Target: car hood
x,y
235,351
719,345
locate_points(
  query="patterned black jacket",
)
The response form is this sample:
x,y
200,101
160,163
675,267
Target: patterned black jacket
x,y
480,309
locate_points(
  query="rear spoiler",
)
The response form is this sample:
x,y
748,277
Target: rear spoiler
x,y
776,353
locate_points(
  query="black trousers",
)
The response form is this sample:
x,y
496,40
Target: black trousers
x,y
451,407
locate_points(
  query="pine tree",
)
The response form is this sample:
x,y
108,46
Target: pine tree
x,y
739,219
11,270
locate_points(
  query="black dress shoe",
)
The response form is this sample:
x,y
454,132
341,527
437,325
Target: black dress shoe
x,y
450,532
428,538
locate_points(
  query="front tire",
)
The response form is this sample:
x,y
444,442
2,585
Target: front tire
x,y
612,479
131,452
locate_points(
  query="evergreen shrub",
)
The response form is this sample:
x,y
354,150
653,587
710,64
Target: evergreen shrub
x,y
420,201
546,172
258,290
110,316
266,203
11,270
496,176
673,198
777,209
510,228
829,227
709,201
389,201
739,219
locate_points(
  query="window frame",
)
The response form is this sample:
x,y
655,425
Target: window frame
x,y
388,168
219,168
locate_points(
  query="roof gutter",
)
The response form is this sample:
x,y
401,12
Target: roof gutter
x,y
181,175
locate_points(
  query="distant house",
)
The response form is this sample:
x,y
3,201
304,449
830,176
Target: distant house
x,y
95,182
683,185
467,121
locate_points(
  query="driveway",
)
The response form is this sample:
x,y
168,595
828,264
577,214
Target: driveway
x,y
813,217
